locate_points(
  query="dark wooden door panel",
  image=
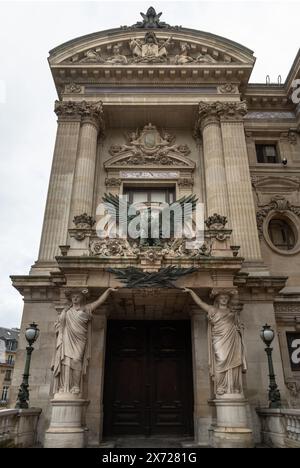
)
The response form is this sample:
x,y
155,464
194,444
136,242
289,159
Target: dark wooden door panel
x,y
148,378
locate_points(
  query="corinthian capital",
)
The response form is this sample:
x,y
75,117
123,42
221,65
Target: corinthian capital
x,y
232,110
84,111
67,110
207,114
92,113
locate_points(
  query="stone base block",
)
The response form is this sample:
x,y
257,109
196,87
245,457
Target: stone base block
x,y
231,430
65,438
229,437
67,428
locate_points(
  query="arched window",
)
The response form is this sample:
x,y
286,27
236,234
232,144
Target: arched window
x,y
281,234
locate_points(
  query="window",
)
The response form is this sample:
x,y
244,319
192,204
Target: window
x,y
11,345
7,375
4,395
267,154
10,359
150,195
281,234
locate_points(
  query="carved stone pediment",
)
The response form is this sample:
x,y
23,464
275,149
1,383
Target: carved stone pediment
x,y
151,49
276,183
149,147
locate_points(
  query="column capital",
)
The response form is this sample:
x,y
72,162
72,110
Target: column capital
x,y
92,113
67,111
207,115
83,111
232,111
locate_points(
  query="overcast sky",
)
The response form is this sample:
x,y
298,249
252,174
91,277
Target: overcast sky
x,y
27,122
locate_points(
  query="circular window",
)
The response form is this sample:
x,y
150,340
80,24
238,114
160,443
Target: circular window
x,y
282,234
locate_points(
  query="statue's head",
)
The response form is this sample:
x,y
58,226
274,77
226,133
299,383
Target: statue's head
x,y
116,49
77,297
222,300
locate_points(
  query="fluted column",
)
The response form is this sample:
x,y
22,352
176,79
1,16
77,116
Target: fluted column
x,y
215,176
241,203
83,188
57,210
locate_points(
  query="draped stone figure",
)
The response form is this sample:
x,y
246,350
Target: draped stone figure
x,y
226,345
73,343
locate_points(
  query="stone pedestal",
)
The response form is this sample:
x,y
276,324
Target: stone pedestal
x,y
67,427
231,430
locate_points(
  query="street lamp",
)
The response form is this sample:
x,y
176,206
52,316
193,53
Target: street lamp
x,y
267,335
31,334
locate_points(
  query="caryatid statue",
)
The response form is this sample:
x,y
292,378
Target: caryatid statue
x,y
226,344
73,342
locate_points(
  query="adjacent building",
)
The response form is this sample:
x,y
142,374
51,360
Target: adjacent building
x,y
160,112
9,338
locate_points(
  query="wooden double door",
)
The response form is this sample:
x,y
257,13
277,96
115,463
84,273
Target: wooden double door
x,y
148,378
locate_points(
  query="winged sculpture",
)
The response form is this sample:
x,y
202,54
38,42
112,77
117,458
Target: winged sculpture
x,y
155,223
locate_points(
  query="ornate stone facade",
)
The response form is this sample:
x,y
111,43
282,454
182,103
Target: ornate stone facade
x,y
131,103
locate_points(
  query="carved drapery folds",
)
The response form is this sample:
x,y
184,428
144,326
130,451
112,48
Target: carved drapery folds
x,y
83,111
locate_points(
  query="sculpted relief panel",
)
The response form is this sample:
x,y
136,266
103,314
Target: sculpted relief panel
x,y
152,50
149,147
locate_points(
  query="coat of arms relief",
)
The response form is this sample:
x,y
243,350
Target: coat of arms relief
x,y
149,147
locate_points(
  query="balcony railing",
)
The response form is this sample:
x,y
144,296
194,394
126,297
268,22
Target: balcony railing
x,y
280,428
18,427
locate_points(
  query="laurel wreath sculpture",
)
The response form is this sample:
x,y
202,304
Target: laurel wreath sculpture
x,y
134,278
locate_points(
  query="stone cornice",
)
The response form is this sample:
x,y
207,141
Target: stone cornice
x,y
259,288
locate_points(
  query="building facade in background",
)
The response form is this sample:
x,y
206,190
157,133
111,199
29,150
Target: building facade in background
x,y
9,338
158,113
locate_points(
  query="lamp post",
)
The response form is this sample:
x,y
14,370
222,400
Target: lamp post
x,y
31,334
267,335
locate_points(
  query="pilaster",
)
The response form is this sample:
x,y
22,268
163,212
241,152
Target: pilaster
x,y
241,203
57,210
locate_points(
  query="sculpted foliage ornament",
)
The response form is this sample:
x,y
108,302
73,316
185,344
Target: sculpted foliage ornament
x,y
135,278
84,221
216,221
